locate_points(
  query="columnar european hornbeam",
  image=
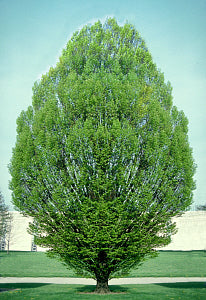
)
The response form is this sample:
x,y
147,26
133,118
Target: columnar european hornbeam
x,y
102,161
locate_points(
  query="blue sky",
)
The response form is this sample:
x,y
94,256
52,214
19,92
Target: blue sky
x,y
33,33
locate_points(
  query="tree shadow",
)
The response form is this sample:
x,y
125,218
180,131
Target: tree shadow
x,y
4,287
184,285
116,289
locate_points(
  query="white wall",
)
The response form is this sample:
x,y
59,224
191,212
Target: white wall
x,y
20,239
191,233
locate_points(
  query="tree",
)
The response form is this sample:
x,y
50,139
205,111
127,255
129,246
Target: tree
x,y
8,232
201,207
5,222
102,161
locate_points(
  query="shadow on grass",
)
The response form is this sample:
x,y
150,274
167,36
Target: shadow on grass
x,y
16,286
91,288
184,285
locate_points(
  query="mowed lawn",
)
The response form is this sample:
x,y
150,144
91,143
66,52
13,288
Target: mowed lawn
x,y
183,291
173,264
167,264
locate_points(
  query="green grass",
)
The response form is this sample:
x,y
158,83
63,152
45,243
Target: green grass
x,y
174,264
167,264
183,291
31,264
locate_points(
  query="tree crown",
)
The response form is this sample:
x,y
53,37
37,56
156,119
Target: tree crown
x,y
102,159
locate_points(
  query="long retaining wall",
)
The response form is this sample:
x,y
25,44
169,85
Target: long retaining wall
x,y
191,233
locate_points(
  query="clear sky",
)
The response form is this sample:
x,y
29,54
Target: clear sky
x,y
33,33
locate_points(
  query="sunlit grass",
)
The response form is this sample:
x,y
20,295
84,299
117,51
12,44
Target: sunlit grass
x,y
167,264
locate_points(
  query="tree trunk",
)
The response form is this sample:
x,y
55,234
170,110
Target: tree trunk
x,y
102,274
102,286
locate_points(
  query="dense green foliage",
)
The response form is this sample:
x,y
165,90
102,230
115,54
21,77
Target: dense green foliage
x,y
102,160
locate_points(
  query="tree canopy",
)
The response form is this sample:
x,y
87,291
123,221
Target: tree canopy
x,y
201,207
102,160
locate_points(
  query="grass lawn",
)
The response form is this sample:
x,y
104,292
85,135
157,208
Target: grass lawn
x,y
31,264
167,264
174,264
183,291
